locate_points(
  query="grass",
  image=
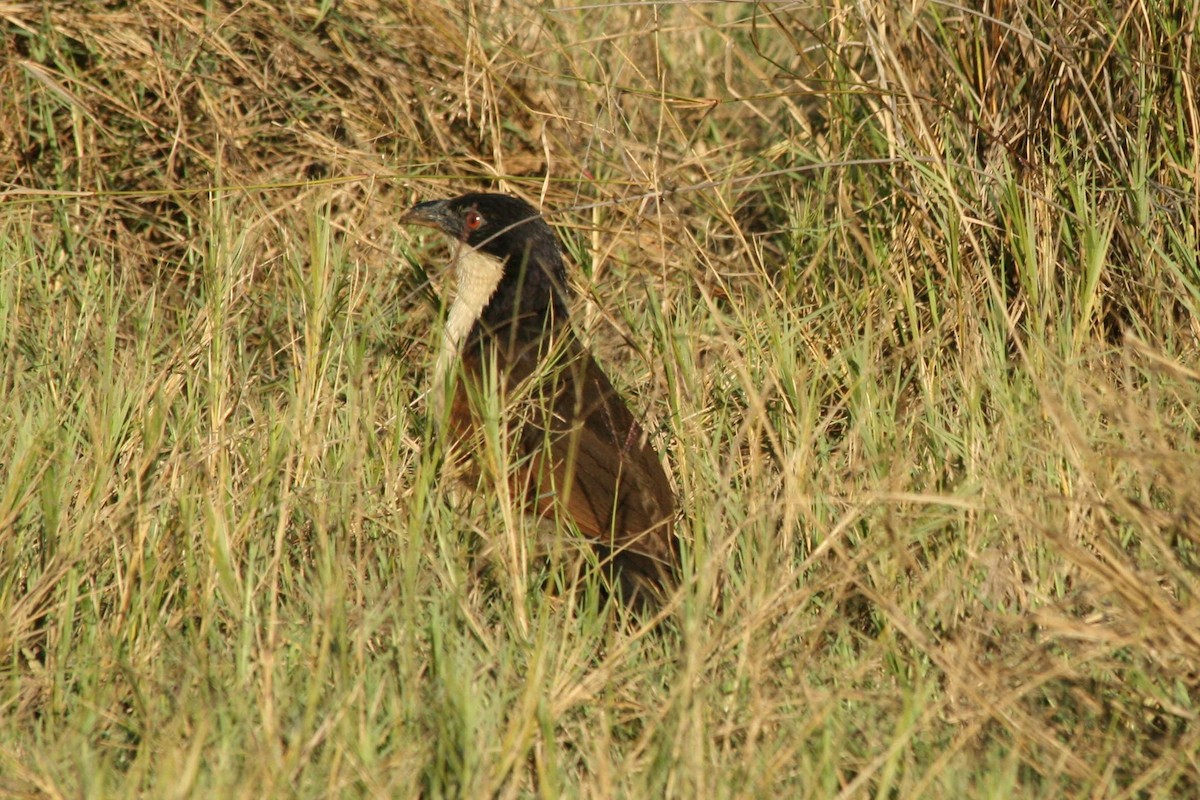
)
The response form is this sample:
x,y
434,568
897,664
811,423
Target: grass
x,y
907,299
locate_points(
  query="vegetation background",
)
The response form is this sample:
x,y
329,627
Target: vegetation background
x,y
908,293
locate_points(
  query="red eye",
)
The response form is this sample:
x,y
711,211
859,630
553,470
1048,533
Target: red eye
x,y
473,220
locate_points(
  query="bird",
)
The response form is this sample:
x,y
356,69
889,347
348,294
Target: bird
x,y
580,455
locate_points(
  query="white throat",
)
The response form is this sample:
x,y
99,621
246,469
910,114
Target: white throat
x,y
477,275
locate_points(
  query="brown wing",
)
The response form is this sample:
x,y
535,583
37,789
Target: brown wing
x,y
594,461
582,454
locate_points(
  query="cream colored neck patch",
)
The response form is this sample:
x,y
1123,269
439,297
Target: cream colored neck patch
x,y
478,274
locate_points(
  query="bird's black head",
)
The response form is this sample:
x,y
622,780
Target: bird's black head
x,y
532,287
498,224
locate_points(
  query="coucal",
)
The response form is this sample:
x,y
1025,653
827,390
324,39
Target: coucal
x,y
579,454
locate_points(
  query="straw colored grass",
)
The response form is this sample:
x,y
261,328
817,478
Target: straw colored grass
x,y
907,295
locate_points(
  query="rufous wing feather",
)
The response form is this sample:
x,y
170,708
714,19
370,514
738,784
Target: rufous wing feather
x,y
591,459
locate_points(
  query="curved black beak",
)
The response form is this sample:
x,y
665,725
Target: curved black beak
x,y
430,214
